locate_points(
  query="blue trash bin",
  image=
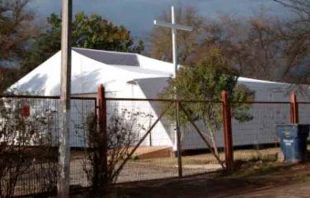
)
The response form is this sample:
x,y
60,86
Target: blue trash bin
x,y
293,141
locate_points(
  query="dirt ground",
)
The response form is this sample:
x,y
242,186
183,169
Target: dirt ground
x,y
287,181
249,163
160,168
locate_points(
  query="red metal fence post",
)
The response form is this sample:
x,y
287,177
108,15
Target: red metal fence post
x,y
294,109
102,120
227,128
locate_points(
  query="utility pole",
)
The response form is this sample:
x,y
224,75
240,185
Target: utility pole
x,y
174,27
63,184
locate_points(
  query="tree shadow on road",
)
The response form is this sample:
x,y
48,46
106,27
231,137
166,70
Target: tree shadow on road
x,y
218,185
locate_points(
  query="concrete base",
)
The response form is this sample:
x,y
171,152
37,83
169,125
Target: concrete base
x,y
153,152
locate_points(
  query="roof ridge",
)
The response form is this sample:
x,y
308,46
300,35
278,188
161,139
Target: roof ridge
x,y
107,51
259,80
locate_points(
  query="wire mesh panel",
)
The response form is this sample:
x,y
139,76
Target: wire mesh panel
x,y
151,137
140,132
304,113
82,109
202,139
27,144
29,132
258,136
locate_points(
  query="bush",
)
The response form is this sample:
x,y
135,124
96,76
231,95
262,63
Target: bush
x,y
123,129
25,141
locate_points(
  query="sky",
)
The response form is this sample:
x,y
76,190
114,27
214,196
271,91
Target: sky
x,y
138,15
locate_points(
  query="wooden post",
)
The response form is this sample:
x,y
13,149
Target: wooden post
x,y
63,182
294,109
178,136
229,158
103,150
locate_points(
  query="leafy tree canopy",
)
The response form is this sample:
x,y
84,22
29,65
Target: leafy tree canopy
x,y
205,81
16,28
87,32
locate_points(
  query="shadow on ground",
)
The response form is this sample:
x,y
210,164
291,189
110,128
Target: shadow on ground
x,y
283,181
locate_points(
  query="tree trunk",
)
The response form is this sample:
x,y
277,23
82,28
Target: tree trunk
x,y
213,139
214,145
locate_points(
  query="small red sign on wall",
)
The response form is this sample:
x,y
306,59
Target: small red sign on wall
x,y
25,111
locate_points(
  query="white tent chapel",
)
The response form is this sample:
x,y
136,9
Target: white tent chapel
x,y
129,75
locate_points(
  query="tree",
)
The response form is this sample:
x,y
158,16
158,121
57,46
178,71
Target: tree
x,y
16,28
261,47
296,33
205,81
301,7
249,44
87,32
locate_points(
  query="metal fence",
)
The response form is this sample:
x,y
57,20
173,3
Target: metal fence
x,y
142,138
254,138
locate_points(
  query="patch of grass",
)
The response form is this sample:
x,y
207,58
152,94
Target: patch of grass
x,y
248,162
117,193
135,158
246,155
265,169
258,165
264,158
301,178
